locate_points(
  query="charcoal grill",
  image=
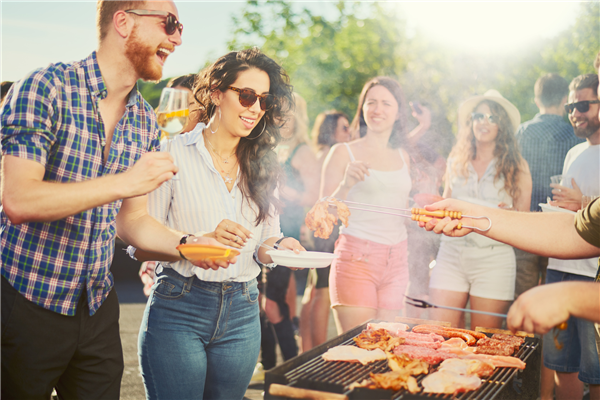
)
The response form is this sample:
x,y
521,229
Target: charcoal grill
x,y
309,371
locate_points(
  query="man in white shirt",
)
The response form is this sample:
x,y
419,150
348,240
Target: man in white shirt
x,y
581,176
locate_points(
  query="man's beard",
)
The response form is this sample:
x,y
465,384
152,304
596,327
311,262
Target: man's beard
x,y
593,125
141,57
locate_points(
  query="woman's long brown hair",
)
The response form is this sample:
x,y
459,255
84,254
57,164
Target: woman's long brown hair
x,y
260,173
507,154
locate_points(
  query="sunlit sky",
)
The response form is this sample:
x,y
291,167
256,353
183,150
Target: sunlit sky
x,y
35,33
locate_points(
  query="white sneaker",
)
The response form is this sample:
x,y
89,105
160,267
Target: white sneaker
x,y
258,374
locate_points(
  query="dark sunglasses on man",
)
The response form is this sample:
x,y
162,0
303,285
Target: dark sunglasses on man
x,y
581,106
248,97
171,23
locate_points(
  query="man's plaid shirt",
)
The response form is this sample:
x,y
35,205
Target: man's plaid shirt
x,y
51,117
545,142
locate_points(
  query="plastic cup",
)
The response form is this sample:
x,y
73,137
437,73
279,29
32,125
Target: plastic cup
x,y
585,200
556,179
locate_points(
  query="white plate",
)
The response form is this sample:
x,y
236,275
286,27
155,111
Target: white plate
x,y
305,259
548,208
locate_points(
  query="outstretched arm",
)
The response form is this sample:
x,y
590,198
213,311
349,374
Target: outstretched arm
x,y
547,234
544,307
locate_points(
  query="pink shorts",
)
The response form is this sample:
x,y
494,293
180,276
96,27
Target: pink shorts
x,y
368,274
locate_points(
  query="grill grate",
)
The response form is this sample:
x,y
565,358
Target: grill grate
x,y
336,377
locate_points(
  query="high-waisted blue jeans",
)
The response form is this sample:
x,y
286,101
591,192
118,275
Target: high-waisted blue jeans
x,y
199,339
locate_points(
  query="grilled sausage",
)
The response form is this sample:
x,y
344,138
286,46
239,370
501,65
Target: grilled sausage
x,y
468,336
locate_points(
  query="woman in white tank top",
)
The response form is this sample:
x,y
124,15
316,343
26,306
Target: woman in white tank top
x,y
370,275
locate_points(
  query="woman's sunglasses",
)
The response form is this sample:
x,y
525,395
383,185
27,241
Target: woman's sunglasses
x,y
248,98
492,119
171,24
581,106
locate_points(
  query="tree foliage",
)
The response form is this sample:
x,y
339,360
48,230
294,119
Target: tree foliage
x,y
330,58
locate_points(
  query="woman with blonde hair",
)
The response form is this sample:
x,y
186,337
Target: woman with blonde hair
x,y
485,166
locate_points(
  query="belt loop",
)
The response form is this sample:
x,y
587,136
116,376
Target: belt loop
x,y
187,286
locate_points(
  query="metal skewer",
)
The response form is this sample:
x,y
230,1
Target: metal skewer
x,y
425,304
419,214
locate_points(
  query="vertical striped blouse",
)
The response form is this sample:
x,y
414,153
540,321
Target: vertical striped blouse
x,y
196,200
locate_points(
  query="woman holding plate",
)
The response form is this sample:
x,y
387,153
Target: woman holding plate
x,y
484,167
200,336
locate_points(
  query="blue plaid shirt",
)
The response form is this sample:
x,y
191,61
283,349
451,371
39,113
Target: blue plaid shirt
x,y
51,117
545,141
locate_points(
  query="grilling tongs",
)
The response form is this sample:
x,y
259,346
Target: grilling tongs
x,y
425,304
416,214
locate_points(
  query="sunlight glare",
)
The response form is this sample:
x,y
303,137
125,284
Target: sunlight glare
x,y
489,27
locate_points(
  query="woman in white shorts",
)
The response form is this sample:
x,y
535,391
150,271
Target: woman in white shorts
x,y
485,166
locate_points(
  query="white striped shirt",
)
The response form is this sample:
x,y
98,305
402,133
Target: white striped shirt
x,y
197,200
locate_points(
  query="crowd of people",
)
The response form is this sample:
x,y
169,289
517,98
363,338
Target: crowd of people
x,y
82,162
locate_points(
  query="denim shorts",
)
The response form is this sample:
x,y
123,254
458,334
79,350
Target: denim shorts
x,y
199,339
579,353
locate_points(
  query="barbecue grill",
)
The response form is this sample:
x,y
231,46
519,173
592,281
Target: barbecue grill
x,y
308,374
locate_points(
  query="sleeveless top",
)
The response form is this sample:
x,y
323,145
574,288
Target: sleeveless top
x,y
482,191
383,188
292,216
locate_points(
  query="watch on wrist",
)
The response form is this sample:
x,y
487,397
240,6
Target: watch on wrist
x,y
183,240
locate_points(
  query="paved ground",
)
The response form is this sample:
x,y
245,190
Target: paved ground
x,y
133,302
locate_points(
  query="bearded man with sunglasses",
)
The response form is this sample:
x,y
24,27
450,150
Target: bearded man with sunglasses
x,y
78,145
578,362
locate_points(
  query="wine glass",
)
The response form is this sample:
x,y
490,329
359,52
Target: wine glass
x,y
172,116
173,113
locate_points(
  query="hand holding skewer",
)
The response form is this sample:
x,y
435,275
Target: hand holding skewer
x,y
455,227
423,215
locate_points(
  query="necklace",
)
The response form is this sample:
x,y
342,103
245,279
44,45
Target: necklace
x,y
225,159
227,178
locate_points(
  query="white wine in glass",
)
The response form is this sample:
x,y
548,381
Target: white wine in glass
x,y
173,113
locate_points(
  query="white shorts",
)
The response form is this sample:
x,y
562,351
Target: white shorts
x,y
487,272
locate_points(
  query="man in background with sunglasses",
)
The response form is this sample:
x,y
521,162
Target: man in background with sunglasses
x,y
78,145
578,361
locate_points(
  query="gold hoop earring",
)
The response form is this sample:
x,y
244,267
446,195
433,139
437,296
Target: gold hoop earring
x,y
210,127
261,132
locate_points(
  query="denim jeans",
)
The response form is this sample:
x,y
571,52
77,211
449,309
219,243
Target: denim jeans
x,y
199,339
579,353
